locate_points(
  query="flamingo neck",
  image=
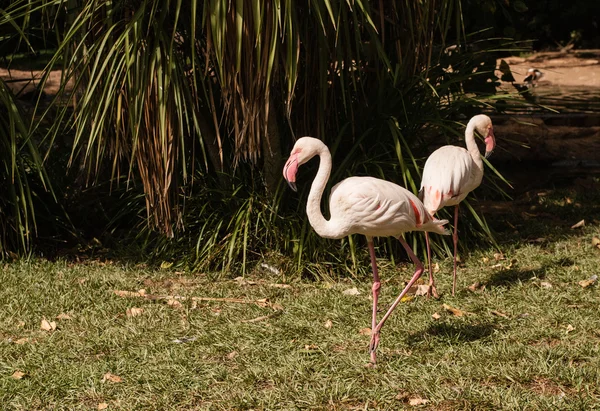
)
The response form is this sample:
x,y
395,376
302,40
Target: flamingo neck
x,y
325,228
472,145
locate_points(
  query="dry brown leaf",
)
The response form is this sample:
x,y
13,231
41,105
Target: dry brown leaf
x,y
570,328
174,303
578,224
365,331
134,312
422,289
453,310
311,347
63,316
125,293
545,284
22,341
277,307
436,268
351,291
21,324
274,285
417,401
102,406
499,313
48,325
436,316
475,286
596,242
590,281
498,256
111,377
496,266
232,355
328,324
485,260
18,375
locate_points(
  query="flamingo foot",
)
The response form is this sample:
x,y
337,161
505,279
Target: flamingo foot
x,y
373,346
432,291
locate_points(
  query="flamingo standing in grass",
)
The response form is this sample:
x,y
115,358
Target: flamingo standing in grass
x,y
452,172
362,205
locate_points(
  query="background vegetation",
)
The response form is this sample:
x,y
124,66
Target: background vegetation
x,y
166,137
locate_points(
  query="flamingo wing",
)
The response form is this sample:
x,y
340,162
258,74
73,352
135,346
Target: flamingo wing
x,y
446,177
375,207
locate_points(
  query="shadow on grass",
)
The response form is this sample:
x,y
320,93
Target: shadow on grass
x,y
508,278
453,333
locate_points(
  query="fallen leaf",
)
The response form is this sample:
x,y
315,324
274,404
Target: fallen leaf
x,y
436,316
570,328
475,286
310,347
436,268
134,312
173,303
590,281
496,265
422,289
125,293
499,313
351,291
454,311
63,316
232,355
166,264
417,401
579,224
545,284
596,242
18,375
328,324
48,325
111,377
274,285
21,324
498,256
485,260
184,340
407,298
102,406
365,331
22,341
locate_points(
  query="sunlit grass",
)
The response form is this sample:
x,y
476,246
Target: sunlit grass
x,y
528,339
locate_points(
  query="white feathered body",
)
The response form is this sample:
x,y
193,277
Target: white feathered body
x,y
378,208
450,173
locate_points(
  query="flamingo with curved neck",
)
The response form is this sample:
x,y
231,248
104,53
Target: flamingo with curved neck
x,y
452,172
362,205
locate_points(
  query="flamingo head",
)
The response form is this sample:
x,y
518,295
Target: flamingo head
x,y
304,149
483,125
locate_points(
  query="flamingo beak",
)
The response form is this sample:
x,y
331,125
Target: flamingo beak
x,y
289,171
490,143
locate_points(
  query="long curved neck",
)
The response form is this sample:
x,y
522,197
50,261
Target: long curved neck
x,y
472,145
325,228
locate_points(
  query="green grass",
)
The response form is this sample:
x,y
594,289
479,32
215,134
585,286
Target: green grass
x,y
530,339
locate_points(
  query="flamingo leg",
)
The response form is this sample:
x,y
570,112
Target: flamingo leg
x,y
375,289
419,270
431,290
455,239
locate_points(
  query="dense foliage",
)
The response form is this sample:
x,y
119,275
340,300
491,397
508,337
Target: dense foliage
x,y
173,118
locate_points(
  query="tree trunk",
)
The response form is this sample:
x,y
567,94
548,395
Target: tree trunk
x,y
271,148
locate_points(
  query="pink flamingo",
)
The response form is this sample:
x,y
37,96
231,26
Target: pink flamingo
x,y
362,205
452,172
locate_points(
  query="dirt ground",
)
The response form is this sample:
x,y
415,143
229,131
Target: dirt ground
x,y
574,68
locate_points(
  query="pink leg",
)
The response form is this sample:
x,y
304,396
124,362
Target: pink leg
x,y
455,239
375,289
431,290
416,275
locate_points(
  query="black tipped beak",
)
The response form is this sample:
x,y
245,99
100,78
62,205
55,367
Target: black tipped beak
x,y
488,154
292,185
